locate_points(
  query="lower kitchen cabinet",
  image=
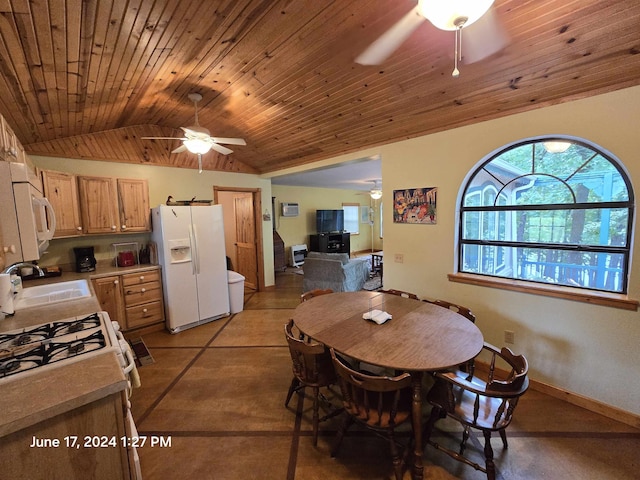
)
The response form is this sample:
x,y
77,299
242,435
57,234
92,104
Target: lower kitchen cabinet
x,y
133,299
109,293
80,454
143,298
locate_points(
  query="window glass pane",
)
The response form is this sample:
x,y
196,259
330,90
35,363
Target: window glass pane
x,y
597,227
540,190
548,181
598,271
351,218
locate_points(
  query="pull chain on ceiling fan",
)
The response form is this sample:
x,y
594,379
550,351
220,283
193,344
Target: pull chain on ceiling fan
x,y
451,15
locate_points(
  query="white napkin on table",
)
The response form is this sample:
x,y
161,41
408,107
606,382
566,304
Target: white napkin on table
x,y
377,316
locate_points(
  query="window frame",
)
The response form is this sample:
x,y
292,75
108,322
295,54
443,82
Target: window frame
x,y
556,289
356,222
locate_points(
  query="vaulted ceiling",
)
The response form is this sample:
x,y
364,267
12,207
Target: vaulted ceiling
x,y
88,78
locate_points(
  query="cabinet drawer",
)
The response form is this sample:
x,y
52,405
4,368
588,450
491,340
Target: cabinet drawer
x,y
143,293
144,314
140,277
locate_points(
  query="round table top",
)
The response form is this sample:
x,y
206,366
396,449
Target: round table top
x,y
420,337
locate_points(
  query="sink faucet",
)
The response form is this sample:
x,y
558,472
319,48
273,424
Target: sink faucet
x,y
11,269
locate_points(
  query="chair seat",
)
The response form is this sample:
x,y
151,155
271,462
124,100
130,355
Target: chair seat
x,y
373,420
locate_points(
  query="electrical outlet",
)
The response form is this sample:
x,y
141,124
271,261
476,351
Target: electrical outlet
x,y
509,336
398,258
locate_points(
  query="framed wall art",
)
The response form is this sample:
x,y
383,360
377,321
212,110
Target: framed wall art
x,y
415,205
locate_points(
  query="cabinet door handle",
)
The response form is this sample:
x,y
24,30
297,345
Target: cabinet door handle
x,y
144,310
143,290
79,228
113,227
141,277
123,227
116,282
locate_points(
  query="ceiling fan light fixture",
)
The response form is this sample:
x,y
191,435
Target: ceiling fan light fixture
x,y
453,14
556,146
376,194
197,146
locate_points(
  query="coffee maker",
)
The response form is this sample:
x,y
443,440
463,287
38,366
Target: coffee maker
x,y
85,261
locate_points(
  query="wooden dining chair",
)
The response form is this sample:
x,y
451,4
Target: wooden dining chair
x,y
312,367
379,403
400,293
466,369
486,404
314,293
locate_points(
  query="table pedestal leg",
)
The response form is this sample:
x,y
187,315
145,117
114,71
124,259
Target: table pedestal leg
x,y
416,383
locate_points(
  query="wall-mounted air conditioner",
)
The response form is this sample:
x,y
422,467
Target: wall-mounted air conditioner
x,y
289,209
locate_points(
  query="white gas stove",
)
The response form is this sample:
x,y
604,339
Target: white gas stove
x,y
55,344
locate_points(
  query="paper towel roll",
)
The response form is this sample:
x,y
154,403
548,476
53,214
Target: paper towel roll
x,y
6,294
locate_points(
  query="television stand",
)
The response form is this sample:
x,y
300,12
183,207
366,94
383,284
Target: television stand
x,y
330,243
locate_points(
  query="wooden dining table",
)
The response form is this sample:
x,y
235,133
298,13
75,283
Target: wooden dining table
x,y
420,337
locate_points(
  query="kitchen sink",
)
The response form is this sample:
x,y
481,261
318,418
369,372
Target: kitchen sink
x,y
51,293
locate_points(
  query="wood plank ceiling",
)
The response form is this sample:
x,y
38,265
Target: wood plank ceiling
x,y
88,78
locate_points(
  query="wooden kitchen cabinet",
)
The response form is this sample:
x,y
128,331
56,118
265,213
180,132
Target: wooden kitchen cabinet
x,y
9,151
62,192
133,299
133,201
143,299
109,293
99,204
102,419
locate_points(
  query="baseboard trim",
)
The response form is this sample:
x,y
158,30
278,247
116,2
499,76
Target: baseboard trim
x,y
609,411
590,404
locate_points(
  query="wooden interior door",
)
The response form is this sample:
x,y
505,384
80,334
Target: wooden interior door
x,y
246,253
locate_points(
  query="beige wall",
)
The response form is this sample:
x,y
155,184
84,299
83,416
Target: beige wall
x,y
586,349
590,350
296,230
182,184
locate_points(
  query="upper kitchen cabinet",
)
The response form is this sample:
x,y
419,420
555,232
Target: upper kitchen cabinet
x,y
99,204
133,199
10,147
62,192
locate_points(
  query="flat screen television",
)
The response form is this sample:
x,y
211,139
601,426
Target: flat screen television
x,y
328,221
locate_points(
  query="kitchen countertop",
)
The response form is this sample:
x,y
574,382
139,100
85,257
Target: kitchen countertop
x,y
38,395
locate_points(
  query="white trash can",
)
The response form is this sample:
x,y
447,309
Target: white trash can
x,y
236,291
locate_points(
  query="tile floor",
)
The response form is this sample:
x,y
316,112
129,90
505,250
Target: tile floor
x,y
218,391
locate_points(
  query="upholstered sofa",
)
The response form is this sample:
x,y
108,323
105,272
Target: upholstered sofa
x,y
335,271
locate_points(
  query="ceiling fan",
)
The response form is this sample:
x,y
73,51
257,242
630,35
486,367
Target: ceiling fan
x,y
376,190
485,33
198,139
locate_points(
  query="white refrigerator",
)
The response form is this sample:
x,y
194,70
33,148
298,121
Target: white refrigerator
x,y
192,254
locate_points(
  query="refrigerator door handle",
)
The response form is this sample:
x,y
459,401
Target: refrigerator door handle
x,y
195,253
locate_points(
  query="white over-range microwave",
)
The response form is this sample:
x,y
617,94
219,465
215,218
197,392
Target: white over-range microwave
x,y
27,220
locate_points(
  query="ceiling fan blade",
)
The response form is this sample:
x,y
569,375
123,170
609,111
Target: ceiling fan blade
x,y
221,149
390,40
161,138
483,38
180,149
196,132
229,141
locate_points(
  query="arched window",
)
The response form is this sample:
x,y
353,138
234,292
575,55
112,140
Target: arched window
x,y
552,211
